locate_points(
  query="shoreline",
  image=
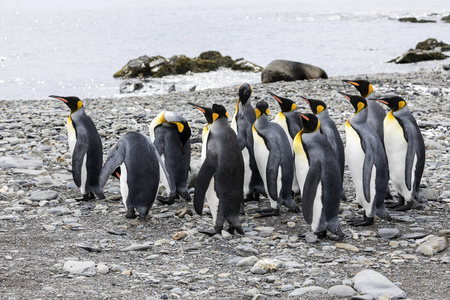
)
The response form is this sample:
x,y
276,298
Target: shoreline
x,y
42,226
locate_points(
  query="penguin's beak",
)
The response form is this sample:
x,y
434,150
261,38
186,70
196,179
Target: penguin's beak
x,y
351,82
276,97
345,95
59,98
305,100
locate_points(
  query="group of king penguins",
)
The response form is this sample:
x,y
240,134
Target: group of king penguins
x,y
293,154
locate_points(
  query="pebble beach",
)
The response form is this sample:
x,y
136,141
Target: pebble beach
x,y
54,247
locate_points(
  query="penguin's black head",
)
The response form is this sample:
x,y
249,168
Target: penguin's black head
x,y
261,108
116,173
358,102
74,103
363,86
317,106
286,104
245,91
219,111
207,112
311,123
179,123
395,103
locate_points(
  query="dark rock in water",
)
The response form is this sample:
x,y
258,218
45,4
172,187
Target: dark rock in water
x,y
433,44
412,56
222,61
241,64
158,66
172,88
130,86
285,70
446,19
430,49
415,20
192,89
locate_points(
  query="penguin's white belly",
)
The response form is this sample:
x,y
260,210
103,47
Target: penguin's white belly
x,y
301,163
247,170
124,184
261,157
213,200
83,175
396,148
355,160
281,120
71,135
204,146
317,210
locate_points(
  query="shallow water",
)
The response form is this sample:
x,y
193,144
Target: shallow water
x,y
59,47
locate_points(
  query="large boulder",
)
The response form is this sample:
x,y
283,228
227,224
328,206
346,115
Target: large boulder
x,y
446,19
415,20
158,66
285,70
430,49
433,44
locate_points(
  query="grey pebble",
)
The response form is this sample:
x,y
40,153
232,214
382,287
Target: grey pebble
x,y
373,283
244,250
388,233
44,195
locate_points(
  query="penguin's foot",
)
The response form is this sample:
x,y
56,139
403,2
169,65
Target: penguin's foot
x,y
208,232
337,237
131,214
87,197
388,196
321,234
186,196
268,212
403,207
100,196
362,222
167,200
294,208
251,197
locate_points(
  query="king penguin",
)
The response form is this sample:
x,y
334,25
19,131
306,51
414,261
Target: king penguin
x,y
134,161
329,130
376,113
291,122
319,176
86,149
275,160
242,124
367,162
170,133
221,176
405,150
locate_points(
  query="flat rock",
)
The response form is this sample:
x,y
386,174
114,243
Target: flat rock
x,y
388,233
341,291
44,195
376,284
413,235
347,247
268,265
84,268
433,245
247,261
138,247
298,293
430,194
245,251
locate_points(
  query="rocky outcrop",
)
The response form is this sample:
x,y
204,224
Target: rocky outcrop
x,y
446,19
415,20
430,49
158,66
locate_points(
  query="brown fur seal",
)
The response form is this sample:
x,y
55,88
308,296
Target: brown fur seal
x,y
285,70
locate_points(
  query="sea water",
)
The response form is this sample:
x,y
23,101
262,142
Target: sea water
x,y
74,47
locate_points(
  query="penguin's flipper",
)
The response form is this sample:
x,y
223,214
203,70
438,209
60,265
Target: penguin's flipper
x,y
272,170
164,175
77,158
312,181
116,156
367,173
205,174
